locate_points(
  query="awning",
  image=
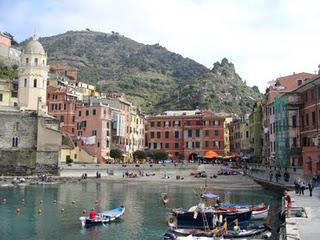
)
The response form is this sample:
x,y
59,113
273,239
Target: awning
x,y
211,154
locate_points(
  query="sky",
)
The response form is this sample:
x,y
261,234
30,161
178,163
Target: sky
x,y
265,39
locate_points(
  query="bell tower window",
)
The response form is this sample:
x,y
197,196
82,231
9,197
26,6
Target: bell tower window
x,y
27,60
35,83
36,61
25,82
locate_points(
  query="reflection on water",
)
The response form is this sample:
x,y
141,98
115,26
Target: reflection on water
x,y
145,216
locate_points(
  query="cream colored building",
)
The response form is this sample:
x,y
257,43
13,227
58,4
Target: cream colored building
x,y
226,135
33,74
136,131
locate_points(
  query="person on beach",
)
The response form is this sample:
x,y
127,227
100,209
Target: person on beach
x,y
310,186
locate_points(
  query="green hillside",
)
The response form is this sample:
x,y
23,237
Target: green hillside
x,y
152,77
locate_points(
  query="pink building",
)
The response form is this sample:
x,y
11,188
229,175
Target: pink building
x,y
94,129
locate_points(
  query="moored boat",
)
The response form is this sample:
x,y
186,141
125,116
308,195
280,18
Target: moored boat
x,y
107,216
257,232
208,217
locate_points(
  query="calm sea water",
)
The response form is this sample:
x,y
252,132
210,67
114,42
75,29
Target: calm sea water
x,y
145,217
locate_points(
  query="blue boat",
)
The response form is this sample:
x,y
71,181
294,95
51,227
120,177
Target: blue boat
x,y
107,216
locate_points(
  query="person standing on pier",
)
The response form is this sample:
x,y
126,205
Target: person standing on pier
x,y
310,186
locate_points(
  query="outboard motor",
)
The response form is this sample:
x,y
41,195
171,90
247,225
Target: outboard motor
x,y
83,221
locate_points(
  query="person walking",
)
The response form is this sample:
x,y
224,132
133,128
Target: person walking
x,y
310,186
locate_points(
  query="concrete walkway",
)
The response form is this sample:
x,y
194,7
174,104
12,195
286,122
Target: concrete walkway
x,y
305,228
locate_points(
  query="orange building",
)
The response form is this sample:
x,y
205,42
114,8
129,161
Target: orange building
x,y
185,133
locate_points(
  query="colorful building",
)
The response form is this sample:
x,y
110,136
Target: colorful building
x,y
310,125
256,133
226,134
278,87
184,134
62,105
94,129
239,136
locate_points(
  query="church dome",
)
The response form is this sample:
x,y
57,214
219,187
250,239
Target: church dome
x,y
34,47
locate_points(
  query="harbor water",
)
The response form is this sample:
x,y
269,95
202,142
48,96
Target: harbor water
x,y
52,211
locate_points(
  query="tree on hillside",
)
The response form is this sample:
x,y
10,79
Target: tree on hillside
x,y
139,155
116,153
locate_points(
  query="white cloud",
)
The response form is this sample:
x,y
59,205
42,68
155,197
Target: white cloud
x,y
263,38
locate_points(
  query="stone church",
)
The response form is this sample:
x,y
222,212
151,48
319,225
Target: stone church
x,y
30,139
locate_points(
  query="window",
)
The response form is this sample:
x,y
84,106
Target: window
x,y
197,132
247,134
197,144
93,112
167,145
158,124
176,134
207,143
307,119
87,112
176,145
75,156
62,118
207,133
73,119
35,83
94,132
1,97
36,61
216,144
27,60
189,132
151,124
25,82
299,82
313,119
166,134
216,133
294,121
79,114
15,141
98,144
154,145
158,134
151,134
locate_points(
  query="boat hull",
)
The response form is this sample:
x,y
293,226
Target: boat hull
x,y
260,231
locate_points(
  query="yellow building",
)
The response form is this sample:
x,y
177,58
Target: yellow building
x,y
5,92
136,131
226,135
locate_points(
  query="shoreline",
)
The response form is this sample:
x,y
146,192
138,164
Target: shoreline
x,y
229,182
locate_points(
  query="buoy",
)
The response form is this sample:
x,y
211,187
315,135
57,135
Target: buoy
x,y
22,200
39,211
62,210
84,211
96,202
41,201
18,210
73,202
54,201
4,200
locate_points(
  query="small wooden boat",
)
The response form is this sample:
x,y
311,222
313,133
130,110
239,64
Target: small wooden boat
x,y
103,217
262,232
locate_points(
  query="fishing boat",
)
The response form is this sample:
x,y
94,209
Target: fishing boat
x,y
257,232
107,216
197,218
258,211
